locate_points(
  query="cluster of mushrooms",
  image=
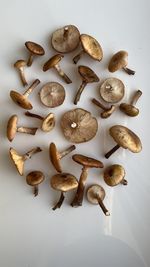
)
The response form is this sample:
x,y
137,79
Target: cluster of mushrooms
x,y
78,125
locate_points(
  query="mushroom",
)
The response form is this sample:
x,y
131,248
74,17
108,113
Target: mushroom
x,y
19,65
120,61
91,47
78,125
53,62
52,94
34,50
19,160
63,182
125,138
12,128
87,76
22,99
130,109
112,90
48,122
35,178
114,175
95,195
66,39
87,163
106,111
56,156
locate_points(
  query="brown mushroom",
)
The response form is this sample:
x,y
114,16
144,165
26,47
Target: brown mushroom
x,y
125,138
120,61
106,111
63,182
130,109
34,50
53,62
91,47
114,175
35,178
22,99
19,65
19,160
87,76
52,94
65,39
87,163
112,90
95,195
78,125
56,156
48,122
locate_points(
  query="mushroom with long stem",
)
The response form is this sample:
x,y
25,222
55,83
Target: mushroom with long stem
x,y
107,112
34,50
33,179
48,122
130,109
120,61
114,175
19,65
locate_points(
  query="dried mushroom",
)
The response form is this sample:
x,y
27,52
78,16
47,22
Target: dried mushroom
x,y
34,50
107,112
120,61
19,65
48,122
112,90
114,175
130,109
35,178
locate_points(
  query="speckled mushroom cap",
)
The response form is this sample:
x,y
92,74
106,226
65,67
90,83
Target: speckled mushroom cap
x,y
20,100
87,161
12,127
55,157
88,74
52,62
35,178
64,182
118,61
20,63
126,138
94,192
35,48
18,160
91,46
52,94
48,123
112,90
114,174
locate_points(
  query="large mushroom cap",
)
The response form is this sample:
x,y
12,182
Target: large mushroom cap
x,y
112,90
54,157
48,123
86,161
129,109
20,63
126,138
12,127
118,61
52,94
78,125
17,160
91,46
35,178
64,182
94,193
35,48
66,39
52,62
88,74
20,100
114,174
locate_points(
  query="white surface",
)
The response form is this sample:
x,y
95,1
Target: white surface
x,y
31,234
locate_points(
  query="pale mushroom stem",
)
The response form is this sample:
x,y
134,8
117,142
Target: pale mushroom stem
x,y
79,92
66,31
109,153
124,182
129,71
30,60
67,151
136,97
77,57
30,153
22,77
31,88
101,204
59,203
62,74
35,190
29,114
27,130
97,103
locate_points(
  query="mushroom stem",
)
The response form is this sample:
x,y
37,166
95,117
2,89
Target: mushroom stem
x,y
97,103
30,153
27,130
79,92
62,74
67,151
129,71
101,204
109,153
66,31
77,57
22,77
35,190
30,60
31,88
124,182
29,114
136,97
60,201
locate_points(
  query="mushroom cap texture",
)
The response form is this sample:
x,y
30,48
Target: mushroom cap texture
x,y
20,63
129,109
64,182
18,160
88,74
91,46
54,157
95,192
35,48
52,94
114,174
87,162
34,178
20,100
48,123
52,62
12,127
118,61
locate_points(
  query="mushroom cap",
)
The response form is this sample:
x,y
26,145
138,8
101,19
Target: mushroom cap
x,y
64,182
35,48
126,138
87,161
35,178
95,192
118,61
68,43
55,157
114,174
129,109
18,160
91,46
12,127
52,62
88,74
48,123
20,100
20,63
112,90
52,94
85,127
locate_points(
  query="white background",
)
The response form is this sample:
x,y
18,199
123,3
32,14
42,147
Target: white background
x,y
31,234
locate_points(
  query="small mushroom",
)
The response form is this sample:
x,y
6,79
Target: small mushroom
x,y
48,122
114,175
19,65
34,50
53,62
87,163
56,156
96,195
19,160
35,178
63,182
22,99
120,61
112,90
12,128
66,39
106,111
124,138
130,109
91,47
78,125
87,76
52,94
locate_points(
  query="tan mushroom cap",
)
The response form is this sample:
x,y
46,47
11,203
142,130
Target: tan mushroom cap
x,y
17,160
88,74
95,192
35,48
55,157
52,62
52,94
112,90
87,161
64,182
20,100
91,46
126,138
118,61
114,174
35,178
78,125
20,63
129,109
12,127
48,123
